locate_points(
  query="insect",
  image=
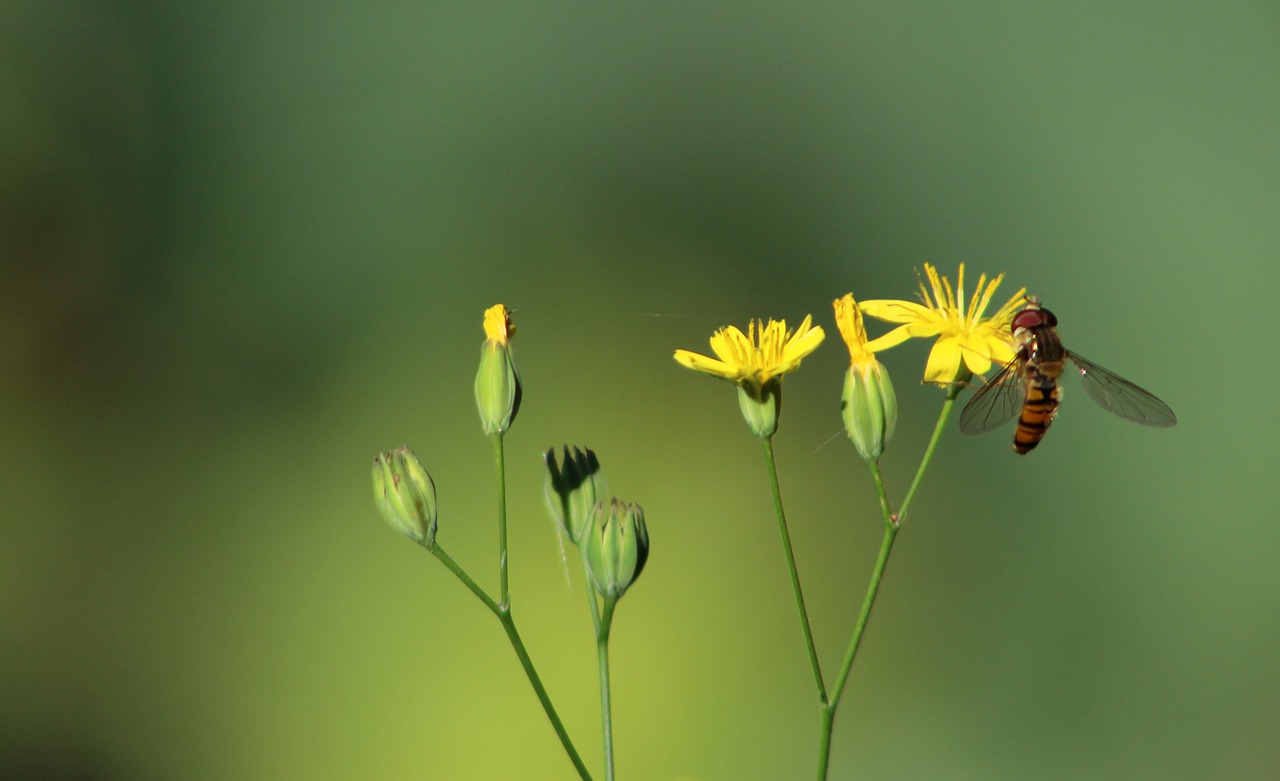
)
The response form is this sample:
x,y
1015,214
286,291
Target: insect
x,y
1029,384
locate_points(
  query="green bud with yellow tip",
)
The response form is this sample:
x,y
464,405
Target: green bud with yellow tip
x,y
405,495
868,404
497,381
616,547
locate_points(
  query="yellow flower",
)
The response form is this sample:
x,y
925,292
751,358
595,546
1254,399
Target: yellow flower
x,y
964,335
756,357
756,361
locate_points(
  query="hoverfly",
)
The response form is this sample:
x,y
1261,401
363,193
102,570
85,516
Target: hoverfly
x,y
1029,384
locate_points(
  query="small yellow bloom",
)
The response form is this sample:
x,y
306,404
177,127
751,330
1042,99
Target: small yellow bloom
x,y
498,328
766,351
964,335
756,361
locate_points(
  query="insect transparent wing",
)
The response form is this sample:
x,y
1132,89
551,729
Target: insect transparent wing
x,y
1120,397
994,403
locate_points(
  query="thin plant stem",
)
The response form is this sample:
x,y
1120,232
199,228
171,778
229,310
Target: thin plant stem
x,y
592,602
461,575
509,624
767,444
877,574
892,524
503,613
606,702
504,596
953,391
501,608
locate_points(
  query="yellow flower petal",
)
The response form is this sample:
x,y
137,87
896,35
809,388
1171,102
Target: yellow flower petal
x,y
944,361
892,311
704,364
895,337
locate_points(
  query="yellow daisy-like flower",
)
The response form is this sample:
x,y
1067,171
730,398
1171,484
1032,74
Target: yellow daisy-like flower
x,y
756,361
766,351
964,335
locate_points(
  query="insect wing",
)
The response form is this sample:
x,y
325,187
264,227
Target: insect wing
x,y
996,402
1120,397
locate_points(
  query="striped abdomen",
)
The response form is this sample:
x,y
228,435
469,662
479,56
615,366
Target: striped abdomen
x,y
1040,406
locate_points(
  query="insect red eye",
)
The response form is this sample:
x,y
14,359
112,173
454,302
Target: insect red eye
x,y
1028,318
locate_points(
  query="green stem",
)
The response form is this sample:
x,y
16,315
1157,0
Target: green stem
x,y
824,744
504,596
882,560
952,392
461,575
892,524
509,625
591,594
767,444
606,703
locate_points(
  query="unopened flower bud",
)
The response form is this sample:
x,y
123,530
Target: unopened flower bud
x,y
497,381
572,488
405,495
617,545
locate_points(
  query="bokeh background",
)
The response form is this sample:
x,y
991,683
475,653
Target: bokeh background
x,y
247,245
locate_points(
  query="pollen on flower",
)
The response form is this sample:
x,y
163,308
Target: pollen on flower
x,y
498,327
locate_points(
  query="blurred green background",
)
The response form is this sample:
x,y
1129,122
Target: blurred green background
x,y
247,245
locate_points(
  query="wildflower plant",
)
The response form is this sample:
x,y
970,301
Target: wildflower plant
x,y
611,538
611,534
968,341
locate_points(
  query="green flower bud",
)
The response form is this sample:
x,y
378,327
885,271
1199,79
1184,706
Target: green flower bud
x,y
572,489
761,404
497,381
405,495
617,545
869,408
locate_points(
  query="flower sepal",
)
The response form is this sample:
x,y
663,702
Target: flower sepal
x,y
761,405
869,409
